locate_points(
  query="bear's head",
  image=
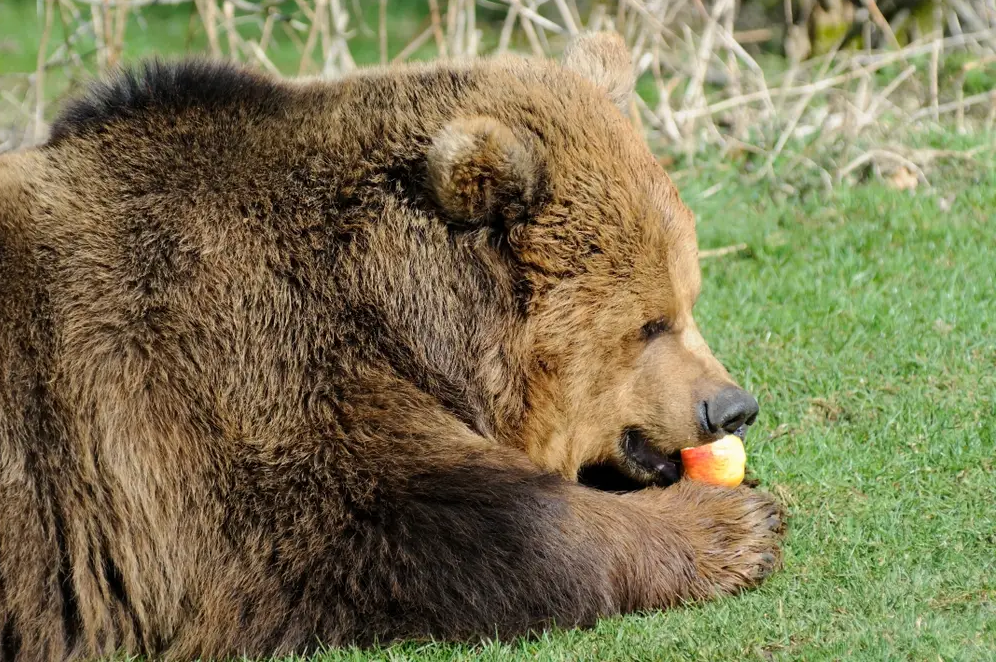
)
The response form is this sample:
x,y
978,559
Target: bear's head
x,y
618,372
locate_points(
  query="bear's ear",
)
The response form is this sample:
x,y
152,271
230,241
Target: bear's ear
x,y
481,173
602,58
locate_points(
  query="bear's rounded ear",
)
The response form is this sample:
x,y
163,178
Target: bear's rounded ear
x,y
481,173
602,58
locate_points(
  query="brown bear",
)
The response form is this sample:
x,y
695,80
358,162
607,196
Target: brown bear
x,y
287,364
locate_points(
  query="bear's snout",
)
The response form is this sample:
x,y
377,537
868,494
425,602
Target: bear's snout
x,y
730,410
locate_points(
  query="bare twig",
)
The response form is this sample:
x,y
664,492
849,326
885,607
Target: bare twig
x,y
526,20
881,23
437,28
935,57
531,14
261,57
309,44
693,91
382,31
720,252
228,9
881,154
943,108
566,16
120,24
39,123
506,29
208,11
414,45
758,36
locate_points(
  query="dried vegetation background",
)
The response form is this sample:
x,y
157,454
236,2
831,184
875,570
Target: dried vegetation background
x,y
775,96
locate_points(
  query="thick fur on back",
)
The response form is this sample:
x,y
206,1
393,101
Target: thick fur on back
x,y
261,391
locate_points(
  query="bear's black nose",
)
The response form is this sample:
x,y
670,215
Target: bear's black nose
x,y
729,410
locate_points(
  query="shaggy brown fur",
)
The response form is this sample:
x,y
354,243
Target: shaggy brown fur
x,y
287,363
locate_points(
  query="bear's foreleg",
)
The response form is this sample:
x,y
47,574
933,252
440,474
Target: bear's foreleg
x,y
451,537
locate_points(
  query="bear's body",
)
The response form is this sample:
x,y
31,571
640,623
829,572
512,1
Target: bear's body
x,y
281,366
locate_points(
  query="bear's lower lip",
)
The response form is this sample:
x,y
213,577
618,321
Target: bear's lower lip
x,y
657,467
638,465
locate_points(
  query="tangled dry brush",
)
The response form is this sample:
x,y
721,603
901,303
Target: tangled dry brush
x,y
848,113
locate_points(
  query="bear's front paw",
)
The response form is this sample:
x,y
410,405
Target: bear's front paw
x,y
736,534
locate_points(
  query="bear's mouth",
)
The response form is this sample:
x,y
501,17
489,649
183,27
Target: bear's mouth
x,y
640,464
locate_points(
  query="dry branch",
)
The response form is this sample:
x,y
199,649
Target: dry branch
x,y
720,252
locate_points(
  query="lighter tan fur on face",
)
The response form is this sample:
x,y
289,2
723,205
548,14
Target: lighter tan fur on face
x,y
596,374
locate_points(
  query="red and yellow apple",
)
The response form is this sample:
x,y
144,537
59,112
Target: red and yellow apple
x,y
719,463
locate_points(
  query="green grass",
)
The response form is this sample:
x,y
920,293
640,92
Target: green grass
x,y
865,322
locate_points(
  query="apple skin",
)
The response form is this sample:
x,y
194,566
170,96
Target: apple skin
x,y
720,463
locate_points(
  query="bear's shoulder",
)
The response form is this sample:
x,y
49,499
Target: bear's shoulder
x,y
167,88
